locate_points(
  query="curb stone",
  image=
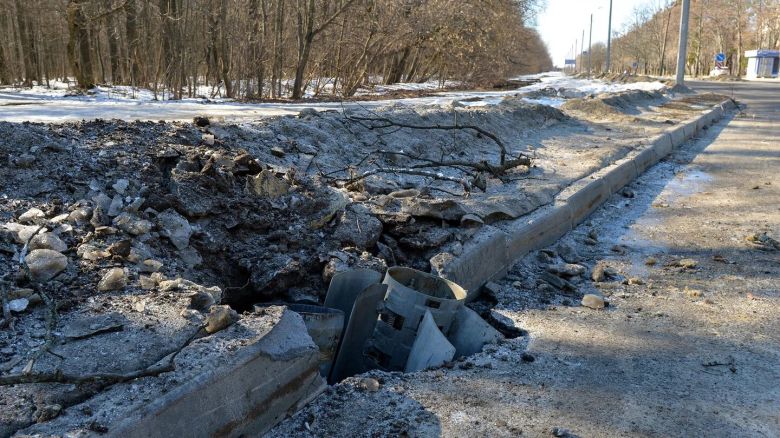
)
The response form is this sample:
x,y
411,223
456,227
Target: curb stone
x,y
588,194
663,145
484,258
480,263
538,229
618,175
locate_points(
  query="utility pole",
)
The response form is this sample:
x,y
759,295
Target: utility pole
x,y
590,45
582,49
574,53
683,46
609,34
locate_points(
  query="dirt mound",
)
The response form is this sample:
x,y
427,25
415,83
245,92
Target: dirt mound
x,y
263,210
621,105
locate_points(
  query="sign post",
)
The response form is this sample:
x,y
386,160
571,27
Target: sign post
x,y
719,59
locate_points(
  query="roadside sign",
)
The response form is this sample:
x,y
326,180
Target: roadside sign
x,y
720,57
570,62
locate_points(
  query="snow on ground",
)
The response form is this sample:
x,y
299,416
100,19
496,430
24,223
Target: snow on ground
x,y
58,103
587,86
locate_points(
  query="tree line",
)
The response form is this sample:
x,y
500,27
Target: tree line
x,y
731,27
266,48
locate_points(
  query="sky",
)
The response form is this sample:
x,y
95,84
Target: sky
x,y
563,21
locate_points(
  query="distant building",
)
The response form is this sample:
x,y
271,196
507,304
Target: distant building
x,y
762,63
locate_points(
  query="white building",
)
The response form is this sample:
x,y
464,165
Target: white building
x,y
762,63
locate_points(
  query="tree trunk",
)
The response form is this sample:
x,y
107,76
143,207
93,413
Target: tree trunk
x,y
79,54
113,51
276,78
131,30
26,47
305,38
739,39
259,16
666,37
224,54
4,77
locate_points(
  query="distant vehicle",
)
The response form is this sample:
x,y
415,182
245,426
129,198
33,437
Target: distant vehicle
x,y
719,71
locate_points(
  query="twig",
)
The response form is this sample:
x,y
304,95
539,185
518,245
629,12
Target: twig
x,y
384,122
7,318
438,176
26,247
445,191
51,323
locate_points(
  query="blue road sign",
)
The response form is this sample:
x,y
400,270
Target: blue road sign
x,y
570,62
720,57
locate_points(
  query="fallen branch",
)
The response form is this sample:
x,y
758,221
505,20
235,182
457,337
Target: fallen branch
x,y
481,166
408,171
51,323
383,122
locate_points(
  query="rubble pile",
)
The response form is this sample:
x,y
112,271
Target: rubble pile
x,y
146,233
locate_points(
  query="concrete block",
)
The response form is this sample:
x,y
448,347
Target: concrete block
x,y
662,145
690,129
484,258
717,113
645,159
539,230
245,397
588,195
618,174
704,120
677,135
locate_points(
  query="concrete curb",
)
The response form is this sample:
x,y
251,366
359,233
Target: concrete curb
x,y
246,397
489,244
489,255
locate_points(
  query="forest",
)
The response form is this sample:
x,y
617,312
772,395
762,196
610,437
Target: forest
x,y
266,49
650,39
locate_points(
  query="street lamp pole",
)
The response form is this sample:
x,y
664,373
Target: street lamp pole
x,y
590,45
683,45
582,49
609,35
574,53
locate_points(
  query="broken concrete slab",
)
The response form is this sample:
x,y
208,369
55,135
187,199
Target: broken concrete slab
x,y
266,184
175,227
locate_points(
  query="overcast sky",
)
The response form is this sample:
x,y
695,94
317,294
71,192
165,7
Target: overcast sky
x,y
564,20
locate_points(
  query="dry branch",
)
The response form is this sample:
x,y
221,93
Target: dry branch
x,y
407,171
384,122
